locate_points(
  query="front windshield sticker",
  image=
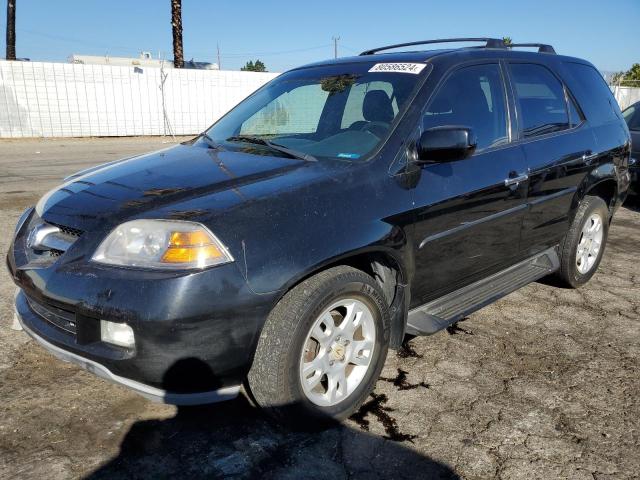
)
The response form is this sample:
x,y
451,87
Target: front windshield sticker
x,y
348,155
414,68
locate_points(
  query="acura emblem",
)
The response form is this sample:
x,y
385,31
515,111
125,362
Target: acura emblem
x,y
36,237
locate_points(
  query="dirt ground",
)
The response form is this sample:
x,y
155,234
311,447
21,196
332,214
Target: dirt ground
x,y
543,384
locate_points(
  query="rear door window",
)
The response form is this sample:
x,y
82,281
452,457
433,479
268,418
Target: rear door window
x,y
541,98
575,117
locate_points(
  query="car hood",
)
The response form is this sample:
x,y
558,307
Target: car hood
x,y
131,187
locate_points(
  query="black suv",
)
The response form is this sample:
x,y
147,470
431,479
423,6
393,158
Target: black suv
x,y
342,206
632,116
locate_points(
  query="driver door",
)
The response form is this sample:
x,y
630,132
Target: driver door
x,y
469,212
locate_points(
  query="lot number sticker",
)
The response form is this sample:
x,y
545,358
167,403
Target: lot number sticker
x,y
414,68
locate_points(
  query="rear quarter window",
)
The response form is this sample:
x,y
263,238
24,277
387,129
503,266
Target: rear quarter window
x,y
593,94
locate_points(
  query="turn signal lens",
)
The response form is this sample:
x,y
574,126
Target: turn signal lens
x,y
198,255
190,239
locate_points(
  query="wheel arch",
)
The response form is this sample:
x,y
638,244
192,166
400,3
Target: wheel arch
x,y
606,189
389,270
601,182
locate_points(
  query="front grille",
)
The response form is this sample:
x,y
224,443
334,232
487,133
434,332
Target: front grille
x,y
62,319
50,247
74,232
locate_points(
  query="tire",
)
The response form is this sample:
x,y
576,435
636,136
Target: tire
x,y
574,271
275,379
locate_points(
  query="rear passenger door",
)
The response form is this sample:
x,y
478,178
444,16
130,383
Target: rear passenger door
x,y
468,212
558,149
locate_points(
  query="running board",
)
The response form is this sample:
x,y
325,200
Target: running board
x,y
444,311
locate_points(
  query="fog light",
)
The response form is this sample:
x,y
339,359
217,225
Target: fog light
x,y
117,333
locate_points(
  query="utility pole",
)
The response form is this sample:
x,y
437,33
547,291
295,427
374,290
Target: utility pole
x,y
219,64
335,46
176,23
11,30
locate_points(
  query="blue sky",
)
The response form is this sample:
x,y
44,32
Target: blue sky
x,y
284,34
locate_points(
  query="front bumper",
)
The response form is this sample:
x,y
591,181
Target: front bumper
x,y
152,393
195,332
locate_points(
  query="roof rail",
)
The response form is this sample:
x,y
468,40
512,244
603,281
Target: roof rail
x,y
542,47
490,43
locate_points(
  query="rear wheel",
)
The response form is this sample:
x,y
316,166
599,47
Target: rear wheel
x,y
322,347
584,244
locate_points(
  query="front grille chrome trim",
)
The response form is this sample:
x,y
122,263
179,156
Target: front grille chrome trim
x,y
57,240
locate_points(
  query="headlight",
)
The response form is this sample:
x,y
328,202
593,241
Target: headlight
x,y
162,244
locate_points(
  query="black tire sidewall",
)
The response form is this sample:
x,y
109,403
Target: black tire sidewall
x,y
370,296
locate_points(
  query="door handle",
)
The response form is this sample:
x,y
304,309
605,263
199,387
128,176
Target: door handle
x,y
508,182
588,157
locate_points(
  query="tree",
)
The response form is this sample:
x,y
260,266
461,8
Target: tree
x,y
507,41
176,24
630,78
11,30
254,67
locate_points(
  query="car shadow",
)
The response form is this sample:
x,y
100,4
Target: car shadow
x,y
632,203
235,439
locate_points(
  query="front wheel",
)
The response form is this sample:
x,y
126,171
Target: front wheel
x,y
322,347
584,244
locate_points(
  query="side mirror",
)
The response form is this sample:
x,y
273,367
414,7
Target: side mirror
x,y
446,144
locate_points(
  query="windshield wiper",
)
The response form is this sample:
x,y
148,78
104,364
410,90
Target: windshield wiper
x,y
273,146
210,141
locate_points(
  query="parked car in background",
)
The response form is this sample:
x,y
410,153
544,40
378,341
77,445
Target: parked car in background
x,y
632,116
345,204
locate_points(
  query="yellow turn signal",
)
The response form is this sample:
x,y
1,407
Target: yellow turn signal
x,y
196,247
198,255
190,239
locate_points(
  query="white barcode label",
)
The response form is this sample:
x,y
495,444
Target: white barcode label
x,y
414,68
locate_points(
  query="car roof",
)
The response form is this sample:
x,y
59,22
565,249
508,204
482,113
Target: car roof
x,y
461,54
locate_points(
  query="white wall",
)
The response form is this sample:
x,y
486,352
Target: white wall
x,y
626,95
65,100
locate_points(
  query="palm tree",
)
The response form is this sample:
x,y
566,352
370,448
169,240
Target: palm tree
x,y
11,29
176,23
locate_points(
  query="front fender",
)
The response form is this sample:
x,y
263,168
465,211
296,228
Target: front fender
x,y
319,248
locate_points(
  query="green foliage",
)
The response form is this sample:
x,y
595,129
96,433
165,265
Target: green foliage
x,y
337,83
630,78
507,41
258,66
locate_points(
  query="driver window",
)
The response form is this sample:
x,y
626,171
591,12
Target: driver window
x,y
355,108
471,97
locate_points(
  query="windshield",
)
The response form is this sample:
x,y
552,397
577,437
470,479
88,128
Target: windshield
x,y
337,111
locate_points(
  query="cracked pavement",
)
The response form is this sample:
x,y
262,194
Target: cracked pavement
x,y
542,384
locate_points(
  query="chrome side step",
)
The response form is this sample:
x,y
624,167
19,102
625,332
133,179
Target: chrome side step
x,y
444,311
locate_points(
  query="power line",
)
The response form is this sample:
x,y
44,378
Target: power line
x,y
122,49
264,54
